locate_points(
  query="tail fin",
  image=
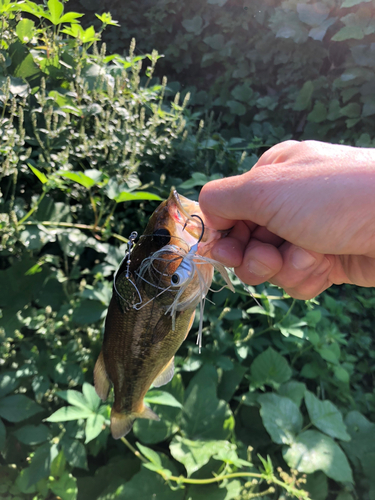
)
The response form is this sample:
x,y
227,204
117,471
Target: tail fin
x,y
122,423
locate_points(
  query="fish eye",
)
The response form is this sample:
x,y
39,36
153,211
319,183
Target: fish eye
x,y
161,237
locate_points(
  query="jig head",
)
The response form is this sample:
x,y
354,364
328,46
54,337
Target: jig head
x,y
186,269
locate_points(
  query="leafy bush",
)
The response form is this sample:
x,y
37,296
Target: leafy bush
x,y
278,392
273,69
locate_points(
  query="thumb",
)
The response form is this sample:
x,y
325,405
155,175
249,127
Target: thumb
x,y
225,201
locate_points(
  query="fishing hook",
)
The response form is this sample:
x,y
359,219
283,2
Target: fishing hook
x,y
186,269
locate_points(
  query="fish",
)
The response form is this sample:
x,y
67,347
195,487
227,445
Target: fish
x,y
156,290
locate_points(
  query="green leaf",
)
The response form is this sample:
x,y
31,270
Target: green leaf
x,y
106,18
317,486
56,8
193,25
25,30
75,452
291,326
326,417
303,100
348,33
70,17
89,311
42,177
65,487
40,464
69,413
270,368
204,416
152,431
197,179
162,398
293,390
328,353
318,114
94,426
32,434
18,407
150,454
236,108
78,177
362,444
230,490
74,398
2,435
135,195
93,400
351,110
313,14
8,383
147,485
341,374
216,41
195,454
242,92
312,451
281,417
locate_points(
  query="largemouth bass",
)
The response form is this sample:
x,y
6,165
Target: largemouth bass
x,y
156,291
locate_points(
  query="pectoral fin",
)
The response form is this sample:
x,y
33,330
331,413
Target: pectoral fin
x,y
101,381
122,423
166,375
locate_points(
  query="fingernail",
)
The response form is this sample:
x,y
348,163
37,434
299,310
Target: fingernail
x,y
301,259
258,268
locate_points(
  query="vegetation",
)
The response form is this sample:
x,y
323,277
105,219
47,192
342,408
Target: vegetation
x,y
280,404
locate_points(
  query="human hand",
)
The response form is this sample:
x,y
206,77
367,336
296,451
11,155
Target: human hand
x,y
303,218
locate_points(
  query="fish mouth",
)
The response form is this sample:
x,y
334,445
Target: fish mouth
x,y
189,220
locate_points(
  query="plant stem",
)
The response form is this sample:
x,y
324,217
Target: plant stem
x,y
32,210
136,452
270,478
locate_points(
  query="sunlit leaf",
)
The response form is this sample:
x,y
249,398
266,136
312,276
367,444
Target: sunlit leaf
x,y
270,368
69,413
312,451
25,30
75,452
56,8
135,195
326,417
94,426
162,398
93,400
74,398
78,177
150,454
65,487
281,417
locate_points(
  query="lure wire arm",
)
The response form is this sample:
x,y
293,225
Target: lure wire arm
x,y
133,236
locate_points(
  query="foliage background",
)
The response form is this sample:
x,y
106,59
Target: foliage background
x,y
89,139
